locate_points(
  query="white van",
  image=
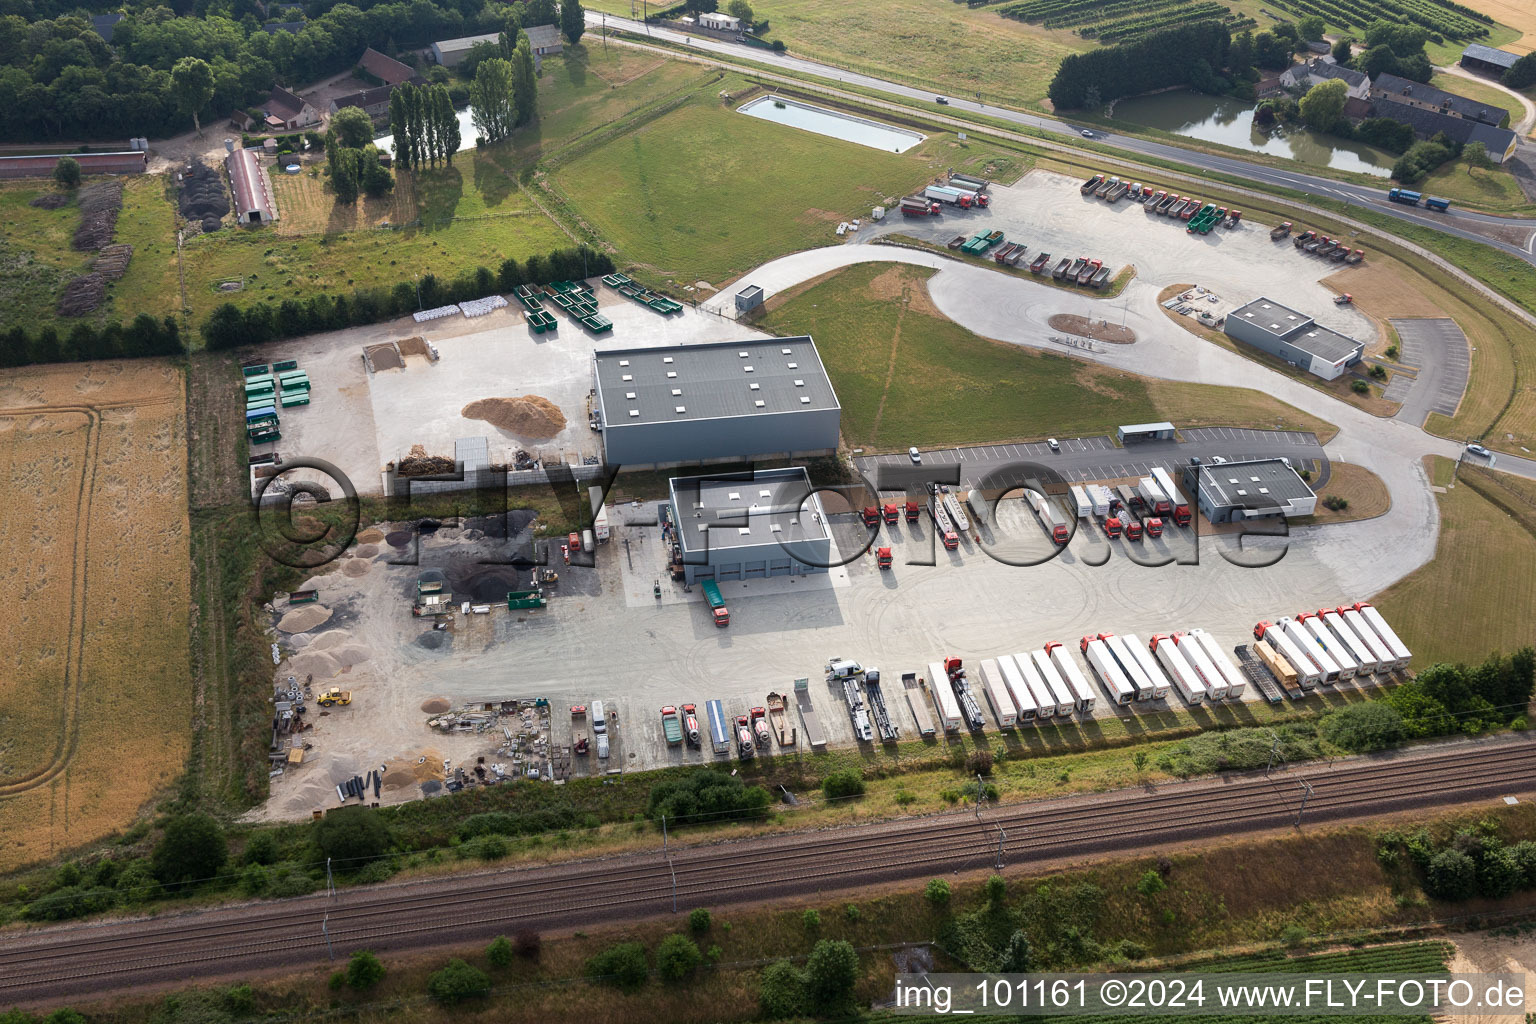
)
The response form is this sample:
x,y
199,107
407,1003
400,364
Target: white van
x,y
600,727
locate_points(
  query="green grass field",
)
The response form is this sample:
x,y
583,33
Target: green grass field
x,y
1475,90
1481,570
907,375
705,192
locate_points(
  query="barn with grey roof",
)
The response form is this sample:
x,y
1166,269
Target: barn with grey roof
x,y
718,402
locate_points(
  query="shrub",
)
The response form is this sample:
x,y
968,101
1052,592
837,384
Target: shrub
x,y
351,836
1379,372
193,848
1524,855
527,943
491,847
704,795
1498,874
781,991
698,921
937,892
1360,387
995,890
1363,727
811,919
261,848
1391,352
64,1015
979,761
778,46
240,1000
830,974
67,172
499,952
842,784
1336,503
1293,935
378,871
1451,875
851,913
904,797
623,965
364,970
457,982
1151,883
677,957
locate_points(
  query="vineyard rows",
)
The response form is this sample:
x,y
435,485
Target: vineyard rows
x,y
1443,18
1114,21
1068,13
1405,958
1122,29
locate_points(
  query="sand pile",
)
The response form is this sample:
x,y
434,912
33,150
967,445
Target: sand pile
x,y
415,345
350,655
355,567
314,663
435,705
330,639
370,536
367,550
304,619
530,416
399,778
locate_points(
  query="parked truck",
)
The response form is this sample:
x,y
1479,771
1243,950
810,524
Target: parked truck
x,y
717,608
1050,518
1151,199
691,724
671,725
1167,203
1180,508
1279,231
1185,679
745,748
944,697
1086,274
1365,656
1152,494
1080,503
1313,650
1048,702
1355,257
1405,196
1100,279
1059,670
1102,498
956,513
1273,633
960,682
1194,652
1314,624
883,557
941,524
914,511
1140,682
1104,187
1433,203
1026,708
969,182
952,196
1303,238
1143,655
977,503
919,206
996,690
719,732
814,734
1237,683
1076,268
1285,673
1399,650
917,703
1133,528
1116,686
1091,184
1115,193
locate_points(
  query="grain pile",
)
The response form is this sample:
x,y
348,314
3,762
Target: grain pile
x,y
531,416
99,206
81,754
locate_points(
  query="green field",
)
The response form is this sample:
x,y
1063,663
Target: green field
x,y
706,193
907,375
1482,93
1481,570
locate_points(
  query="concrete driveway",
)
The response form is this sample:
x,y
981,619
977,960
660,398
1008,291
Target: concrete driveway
x,y
1438,348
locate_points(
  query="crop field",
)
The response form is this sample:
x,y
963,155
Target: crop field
x,y
705,193
94,699
1519,15
1116,21
1481,568
908,375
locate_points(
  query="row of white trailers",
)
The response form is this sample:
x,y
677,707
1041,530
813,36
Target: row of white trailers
x,y
1330,645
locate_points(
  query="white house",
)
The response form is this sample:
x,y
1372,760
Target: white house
x,y
1301,77
720,22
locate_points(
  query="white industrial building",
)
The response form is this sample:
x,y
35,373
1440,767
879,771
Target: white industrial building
x,y
1230,492
719,402
749,525
1294,337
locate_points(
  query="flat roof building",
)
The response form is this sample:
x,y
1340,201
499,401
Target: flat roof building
x,y
1231,492
1294,337
1130,432
749,525
722,401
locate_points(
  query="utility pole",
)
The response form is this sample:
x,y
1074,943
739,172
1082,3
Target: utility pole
x,y
1306,791
330,884
1274,749
1001,835
672,870
605,32
979,792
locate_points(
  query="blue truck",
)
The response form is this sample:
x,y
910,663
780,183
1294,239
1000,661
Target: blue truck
x,y
1403,195
1437,204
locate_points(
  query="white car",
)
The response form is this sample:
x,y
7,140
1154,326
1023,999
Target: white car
x,y
1477,449
1087,134
915,455
1055,444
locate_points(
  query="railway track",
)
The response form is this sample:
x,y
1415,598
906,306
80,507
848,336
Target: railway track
x,y
57,963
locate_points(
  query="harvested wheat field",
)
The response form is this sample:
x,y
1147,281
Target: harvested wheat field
x,y
530,416
95,702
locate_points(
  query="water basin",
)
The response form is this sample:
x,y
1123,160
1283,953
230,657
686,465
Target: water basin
x,y
832,123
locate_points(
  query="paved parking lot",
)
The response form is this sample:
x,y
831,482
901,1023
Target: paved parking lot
x,y
1099,458
1439,349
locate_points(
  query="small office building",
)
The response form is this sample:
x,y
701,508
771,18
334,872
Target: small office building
x,y
1232,492
1130,433
749,525
1294,337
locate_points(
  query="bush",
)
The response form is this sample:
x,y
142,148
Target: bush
x,y
261,848
1391,352
979,761
1451,875
1379,372
830,974
905,797
1338,504
1360,387
378,871
811,919
457,982
1363,727
843,784
499,952
623,965
64,1015
851,913
527,942
364,970
491,847
1523,854
698,921
67,172
781,991
706,795
193,848
937,892
1151,883
1293,935
778,46
677,957
1498,874
351,836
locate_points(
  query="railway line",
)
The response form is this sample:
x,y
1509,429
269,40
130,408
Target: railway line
x,y
53,964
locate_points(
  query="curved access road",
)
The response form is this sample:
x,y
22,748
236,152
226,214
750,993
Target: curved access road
x,y
52,965
1462,223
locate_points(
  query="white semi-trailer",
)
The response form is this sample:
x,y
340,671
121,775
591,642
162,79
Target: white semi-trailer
x,y
996,689
1185,679
1379,624
1149,666
1056,657
1384,656
1313,623
1236,681
1140,681
1101,497
1045,696
1312,649
1307,673
1116,686
1194,653
943,696
1369,660
1082,507
1018,689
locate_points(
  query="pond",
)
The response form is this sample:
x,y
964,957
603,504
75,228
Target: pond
x,y
467,133
833,123
1229,122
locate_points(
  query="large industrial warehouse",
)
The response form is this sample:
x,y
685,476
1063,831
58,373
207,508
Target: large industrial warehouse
x,y
1294,337
724,401
1231,492
742,526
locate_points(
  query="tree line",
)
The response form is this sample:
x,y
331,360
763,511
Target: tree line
x,y
504,94
145,336
1170,57
425,126
230,326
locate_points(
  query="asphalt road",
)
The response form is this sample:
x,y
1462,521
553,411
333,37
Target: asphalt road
x,y
1461,223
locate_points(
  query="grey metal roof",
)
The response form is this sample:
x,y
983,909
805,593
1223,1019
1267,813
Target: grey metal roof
x,y
1262,483
719,380
1449,101
1270,317
1144,428
1503,58
771,507
1326,344
542,36
465,42
1427,123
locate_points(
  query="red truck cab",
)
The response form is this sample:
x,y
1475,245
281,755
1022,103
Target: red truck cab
x,y
1132,529
871,515
951,540
883,557
1261,628
1059,533
892,513
574,542
913,511
1154,527
1112,526
1181,514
